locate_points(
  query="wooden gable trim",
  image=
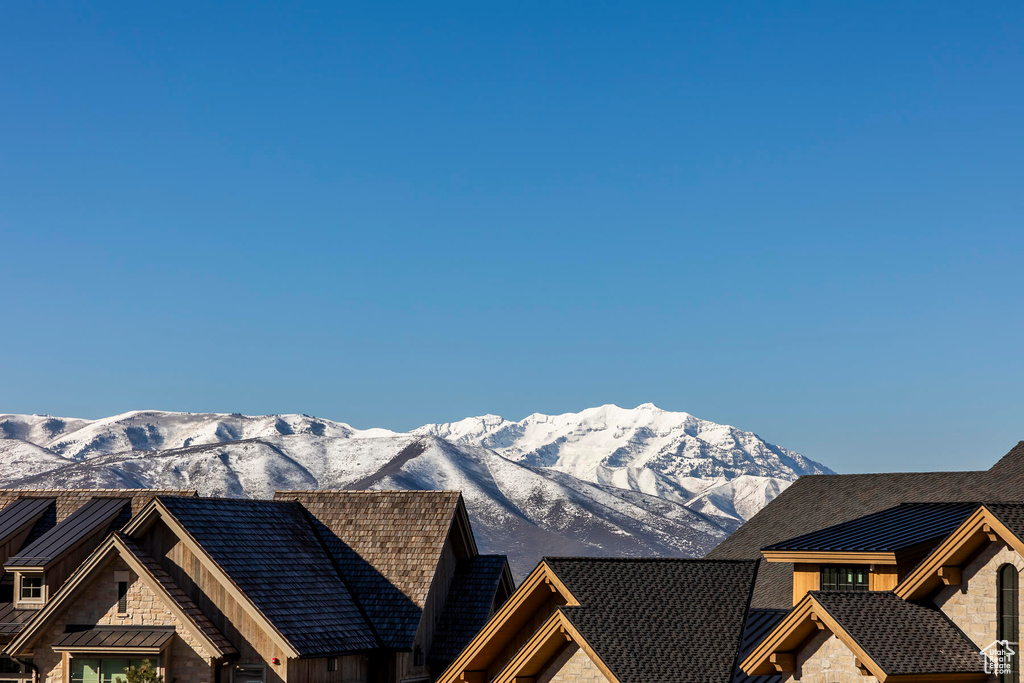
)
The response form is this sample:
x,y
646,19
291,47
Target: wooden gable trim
x,y
541,578
99,559
777,652
942,567
824,557
149,515
549,640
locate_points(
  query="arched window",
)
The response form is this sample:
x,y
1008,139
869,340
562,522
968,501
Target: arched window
x,y
1009,618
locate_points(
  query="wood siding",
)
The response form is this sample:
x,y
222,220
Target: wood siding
x,y
806,577
349,670
883,577
254,644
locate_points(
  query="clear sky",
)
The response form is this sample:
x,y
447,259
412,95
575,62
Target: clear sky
x,y
803,219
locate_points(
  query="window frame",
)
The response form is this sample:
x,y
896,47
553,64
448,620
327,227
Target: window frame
x,y
38,599
1008,624
838,570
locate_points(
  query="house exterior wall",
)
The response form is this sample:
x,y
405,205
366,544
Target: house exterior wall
x,y
973,606
255,646
571,665
347,670
186,660
826,659
433,605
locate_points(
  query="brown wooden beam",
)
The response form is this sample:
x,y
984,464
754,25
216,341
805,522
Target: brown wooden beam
x,y
816,620
950,575
783,661
473,676
861,667
992,536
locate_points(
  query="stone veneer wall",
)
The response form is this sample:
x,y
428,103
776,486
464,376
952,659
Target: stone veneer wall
x,y
186,661
826,659
974,605
572,665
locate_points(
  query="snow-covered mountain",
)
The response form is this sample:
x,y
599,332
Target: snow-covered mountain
x,y
605,480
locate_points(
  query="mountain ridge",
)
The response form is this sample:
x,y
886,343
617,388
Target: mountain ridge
x,y
606,480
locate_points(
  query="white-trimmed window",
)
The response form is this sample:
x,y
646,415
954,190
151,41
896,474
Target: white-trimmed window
x,y
30,588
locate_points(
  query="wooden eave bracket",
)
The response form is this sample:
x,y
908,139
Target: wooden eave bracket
x,y
816,620
783,662
550,584
861,667
951,575
561,629
992,535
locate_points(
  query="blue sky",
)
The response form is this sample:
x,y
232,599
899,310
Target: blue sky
x,y
803,219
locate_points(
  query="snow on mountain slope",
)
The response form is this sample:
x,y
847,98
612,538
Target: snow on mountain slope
x,y
636,481
518,510
671,455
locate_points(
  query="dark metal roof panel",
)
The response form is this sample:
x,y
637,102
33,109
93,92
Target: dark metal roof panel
x,y
758,625
21,513
131,637
13,620
87,519
896,528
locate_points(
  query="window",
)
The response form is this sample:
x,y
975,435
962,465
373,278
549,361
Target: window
x,y
853,578
250,673
122,597
31,587
332,663
88,670
1009,618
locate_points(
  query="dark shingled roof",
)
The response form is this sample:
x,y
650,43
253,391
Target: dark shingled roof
x,y
116,636
97,516
818,501
270,551
660,619
468,605
903,526
184,602
902,637
759,624
69,500
21,513
388,545
1010,514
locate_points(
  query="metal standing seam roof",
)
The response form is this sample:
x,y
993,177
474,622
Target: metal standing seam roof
x,y
270,551
649,620
20,513
759,623
87,519
12,620
116,637
896,528
814,502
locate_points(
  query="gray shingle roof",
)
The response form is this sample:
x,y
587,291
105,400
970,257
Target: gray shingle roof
x,y
388,545
896,528
98,516
468,605
652,620
818,501
902,637
270,551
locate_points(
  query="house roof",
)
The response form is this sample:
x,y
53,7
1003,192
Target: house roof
x,y
659,619
759,623
904,526
96,516
269,550
12,620
116,637
902,637
468,605
180,598
819,501
387,545
20,513
69,500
